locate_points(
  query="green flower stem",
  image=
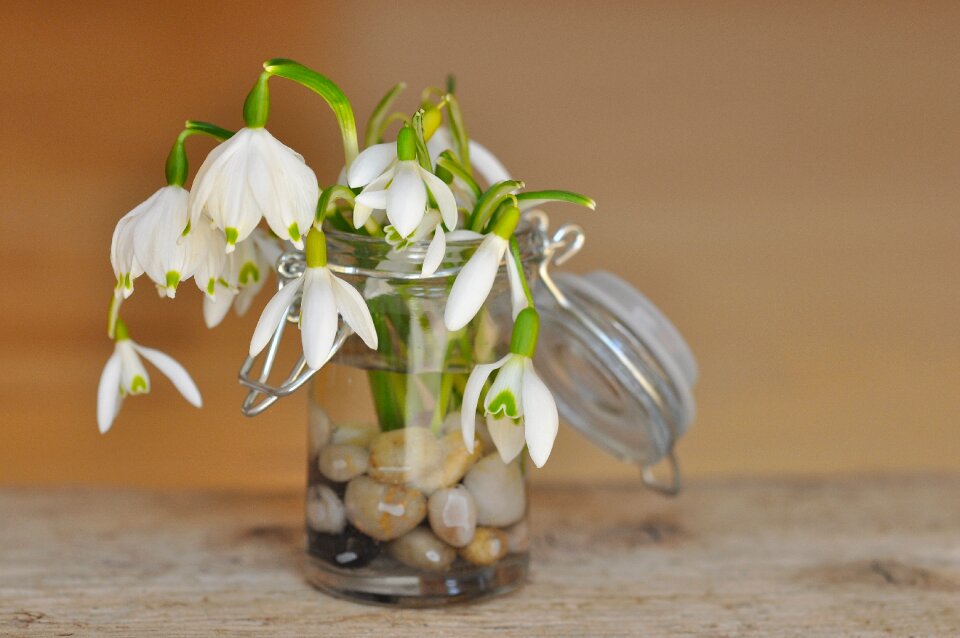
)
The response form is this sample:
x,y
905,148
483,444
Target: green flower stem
x,y
389,391
330,92
113,314
378,119
256,108
121,333
396,116
531,199
443,402
177,167
489,202
515,253
450,163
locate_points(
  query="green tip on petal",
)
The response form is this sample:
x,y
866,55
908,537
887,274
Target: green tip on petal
x,y
186,229
173,279
232,235
211,286
294,231
249,273
504,402
138,385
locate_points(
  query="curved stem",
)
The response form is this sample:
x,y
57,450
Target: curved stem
x,y
489,201
330,92
448,161
531,199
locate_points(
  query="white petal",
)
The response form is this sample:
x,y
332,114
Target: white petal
x,y
464,235
406,198
177,374
509,382
435,252
487,164
108,393
318,317
370,164
540,417
273,313
471,397
507,435
518,298
354,311
446,202
372,200
474,282
131,368
216,308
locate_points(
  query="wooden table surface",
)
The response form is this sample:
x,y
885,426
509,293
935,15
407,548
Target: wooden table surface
x,y
857,557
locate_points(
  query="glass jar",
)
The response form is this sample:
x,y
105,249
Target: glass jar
x,y
397,510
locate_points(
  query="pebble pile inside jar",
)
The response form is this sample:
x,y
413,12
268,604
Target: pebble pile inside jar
x,y
414,497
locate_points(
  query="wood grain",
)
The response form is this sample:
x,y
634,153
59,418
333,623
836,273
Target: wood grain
x,y
865,557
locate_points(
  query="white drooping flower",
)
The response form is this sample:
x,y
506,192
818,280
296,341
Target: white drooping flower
x,y
324,297
251,176
475,279
246,270
398,185
147,240
518,405
124,374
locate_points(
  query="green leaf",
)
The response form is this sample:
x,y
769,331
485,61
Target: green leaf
x,y
423,155
532,199
461,142
330,92
378,119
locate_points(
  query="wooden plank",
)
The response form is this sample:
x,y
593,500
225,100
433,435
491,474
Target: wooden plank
x,y
867,557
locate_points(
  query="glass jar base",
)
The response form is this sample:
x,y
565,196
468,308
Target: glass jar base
x,y
422,589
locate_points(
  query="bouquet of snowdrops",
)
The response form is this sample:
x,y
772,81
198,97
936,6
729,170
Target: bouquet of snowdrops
x,y
426,186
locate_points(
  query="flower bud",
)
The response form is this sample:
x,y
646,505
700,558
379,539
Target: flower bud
x,y
406,144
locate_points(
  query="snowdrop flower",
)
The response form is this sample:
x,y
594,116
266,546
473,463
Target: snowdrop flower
x,y
207,246
519,406
324,297
125,375
401,188
247,269
251,176
147,240
475,279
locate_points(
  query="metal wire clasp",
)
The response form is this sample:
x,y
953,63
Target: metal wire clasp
x,y
262,395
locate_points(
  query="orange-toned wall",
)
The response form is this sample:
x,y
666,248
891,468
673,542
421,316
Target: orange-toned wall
x,y
782,179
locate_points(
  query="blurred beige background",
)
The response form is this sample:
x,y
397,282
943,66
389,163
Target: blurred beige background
x,y
782,180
